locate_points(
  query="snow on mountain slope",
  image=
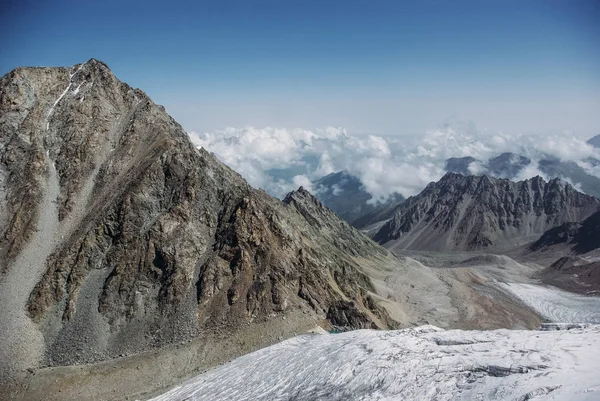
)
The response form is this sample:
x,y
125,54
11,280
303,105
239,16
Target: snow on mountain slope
x,y
424,363
557,305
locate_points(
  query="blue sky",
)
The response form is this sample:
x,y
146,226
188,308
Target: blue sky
x,y
386,67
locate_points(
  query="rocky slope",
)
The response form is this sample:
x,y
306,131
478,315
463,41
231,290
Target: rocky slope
x,y
346,196
471,212
574,274
119,237
578,237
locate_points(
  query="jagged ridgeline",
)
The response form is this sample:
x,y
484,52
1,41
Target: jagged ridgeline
x,y
473,213
119,236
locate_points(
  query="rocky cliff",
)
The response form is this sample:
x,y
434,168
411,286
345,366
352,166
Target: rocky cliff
x,y
119,237
471,212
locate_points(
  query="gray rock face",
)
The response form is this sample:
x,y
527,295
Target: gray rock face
x,y
574,274
118,236
468,213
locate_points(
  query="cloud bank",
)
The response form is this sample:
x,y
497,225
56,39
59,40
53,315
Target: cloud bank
x,y
280,160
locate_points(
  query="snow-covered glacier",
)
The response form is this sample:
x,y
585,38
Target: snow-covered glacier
x,y
424,363
556,305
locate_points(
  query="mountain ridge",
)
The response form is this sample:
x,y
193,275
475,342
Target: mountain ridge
x,y
474,212
120,237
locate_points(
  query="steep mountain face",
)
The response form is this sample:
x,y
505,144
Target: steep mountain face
x,y
579,237
119,237
468,213
345,195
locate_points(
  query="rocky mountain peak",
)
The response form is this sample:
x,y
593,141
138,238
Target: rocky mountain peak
x,y
119,236
471,212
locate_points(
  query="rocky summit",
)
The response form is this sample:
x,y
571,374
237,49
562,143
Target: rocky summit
x,y
120,237
475,212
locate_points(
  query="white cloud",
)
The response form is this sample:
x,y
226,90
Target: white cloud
x,y
280,160
303,181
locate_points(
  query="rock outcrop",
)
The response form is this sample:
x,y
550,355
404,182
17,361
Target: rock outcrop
x,y
119,236
474,212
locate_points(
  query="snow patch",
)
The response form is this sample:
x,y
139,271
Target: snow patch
x,y
51,111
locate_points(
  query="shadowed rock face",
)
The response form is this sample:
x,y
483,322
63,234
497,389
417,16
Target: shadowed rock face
x,y
579,237
118,236
467,213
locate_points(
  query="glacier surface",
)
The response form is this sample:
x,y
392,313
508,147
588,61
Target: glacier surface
x,y
423,363
556,305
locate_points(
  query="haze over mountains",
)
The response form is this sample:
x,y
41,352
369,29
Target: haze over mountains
x,y
132,260
348,198
279,160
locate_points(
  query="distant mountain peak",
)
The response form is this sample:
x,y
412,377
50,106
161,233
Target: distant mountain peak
x,y
594,141
471,212
348,197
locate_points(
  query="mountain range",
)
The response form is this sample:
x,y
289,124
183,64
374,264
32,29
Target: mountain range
x,y
510,165
131,260
474,212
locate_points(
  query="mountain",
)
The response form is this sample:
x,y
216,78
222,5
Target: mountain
x,y
507,165
595,141
460,165
553,167
579,237
474,212
345,194
119,237
574,274
510,165
130,260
